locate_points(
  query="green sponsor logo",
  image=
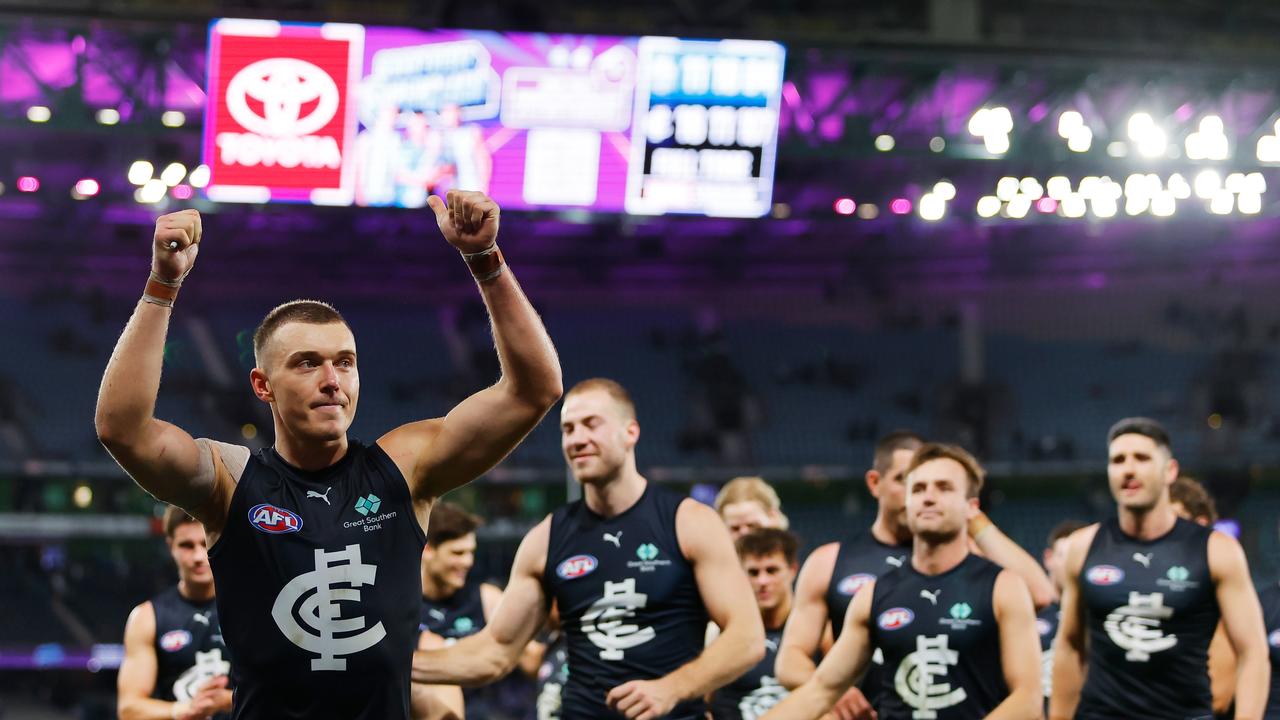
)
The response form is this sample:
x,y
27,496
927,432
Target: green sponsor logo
x,y
1177,573
961,611
463,625
368,504
647,552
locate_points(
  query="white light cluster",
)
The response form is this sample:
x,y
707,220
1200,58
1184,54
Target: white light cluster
x,y
1209,142
1072,129
933,204
1150,138
1140,193
993,125
1269,145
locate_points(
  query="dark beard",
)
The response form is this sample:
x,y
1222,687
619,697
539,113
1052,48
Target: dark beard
x,y
938,537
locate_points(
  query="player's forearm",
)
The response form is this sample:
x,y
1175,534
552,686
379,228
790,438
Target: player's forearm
x,y
530,367
793,667
465,664
1003,551
736,651
808,701
1022,704
1253,679
1068,679
127,396
145,709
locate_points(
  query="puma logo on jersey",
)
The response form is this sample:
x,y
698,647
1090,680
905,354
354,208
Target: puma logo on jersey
x,y
894,561
202,618
615,538
932,597
437,614
1144,560
323,496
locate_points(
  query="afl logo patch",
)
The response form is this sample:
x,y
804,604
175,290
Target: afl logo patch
x,y
274,520
895,618
1274,638
853,583
1104,575
577,566
175,640
1044,627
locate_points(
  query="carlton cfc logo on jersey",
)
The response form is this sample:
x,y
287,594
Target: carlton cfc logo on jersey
x,y
854,583
895,618
1104,575
274,520
577,566
175,640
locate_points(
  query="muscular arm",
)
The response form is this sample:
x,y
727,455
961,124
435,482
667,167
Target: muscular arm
x,y
1069,650
842,667
491,653
531,656
137,678
802,637
1019,650
1243,624
1003,551
440,454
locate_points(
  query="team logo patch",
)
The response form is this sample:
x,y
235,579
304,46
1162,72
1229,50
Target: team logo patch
x,y
1104,575
577,566
895,618
175,640
1274,638
1044,627
853,583
274,520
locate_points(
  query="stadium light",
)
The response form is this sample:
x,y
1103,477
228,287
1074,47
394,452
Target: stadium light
x,y
173,174
1059,187
1073,206
932,207
85,188
1006,188
1081,140
945,190
107,116
844,206
1031,187
199,177
151,192
1018,207
1249,203
184,192
28,184
1149,137
140,172
39,114
1207,184
1222,203
173,118
1209,142
988,206
1068,122
1163,204
885,143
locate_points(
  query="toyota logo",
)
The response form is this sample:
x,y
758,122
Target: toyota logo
x,y
283,86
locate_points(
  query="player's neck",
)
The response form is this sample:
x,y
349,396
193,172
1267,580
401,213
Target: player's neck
x,y
1149,524
612,497
308,456
936,558
774,618
195,592
884,531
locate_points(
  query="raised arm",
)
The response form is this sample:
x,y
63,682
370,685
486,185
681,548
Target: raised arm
x,y
1069,651
841,668
1003,551
731,604
441,454
802,637
162,458
1019,650
1242,621
491,653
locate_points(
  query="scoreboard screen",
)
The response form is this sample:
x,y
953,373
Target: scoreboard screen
x,y
379,116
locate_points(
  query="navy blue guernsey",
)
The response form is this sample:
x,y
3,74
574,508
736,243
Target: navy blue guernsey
x,y
455,617
552,675
755,692
859,560
628,600
189,646
940,642
319,589
1151,610
1269,596
1047,621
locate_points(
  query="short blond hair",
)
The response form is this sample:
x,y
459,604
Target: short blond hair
x,y
612,388
751,489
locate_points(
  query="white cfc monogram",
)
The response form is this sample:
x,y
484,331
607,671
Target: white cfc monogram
x,y
208,665
915,679
605,621
315,599
1135,628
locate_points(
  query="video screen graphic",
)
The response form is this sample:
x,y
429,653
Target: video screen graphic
x,y
536,121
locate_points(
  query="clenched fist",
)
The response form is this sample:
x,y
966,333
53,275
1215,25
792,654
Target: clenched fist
x,y
467,219
176,244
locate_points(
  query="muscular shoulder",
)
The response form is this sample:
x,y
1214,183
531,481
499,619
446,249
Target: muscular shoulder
x,y
141,625
1226,557
531,557
1010,592
1078,547
699,530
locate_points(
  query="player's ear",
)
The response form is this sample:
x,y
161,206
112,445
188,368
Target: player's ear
x,y
632,432
261,385
972,510
873,483
1171,471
